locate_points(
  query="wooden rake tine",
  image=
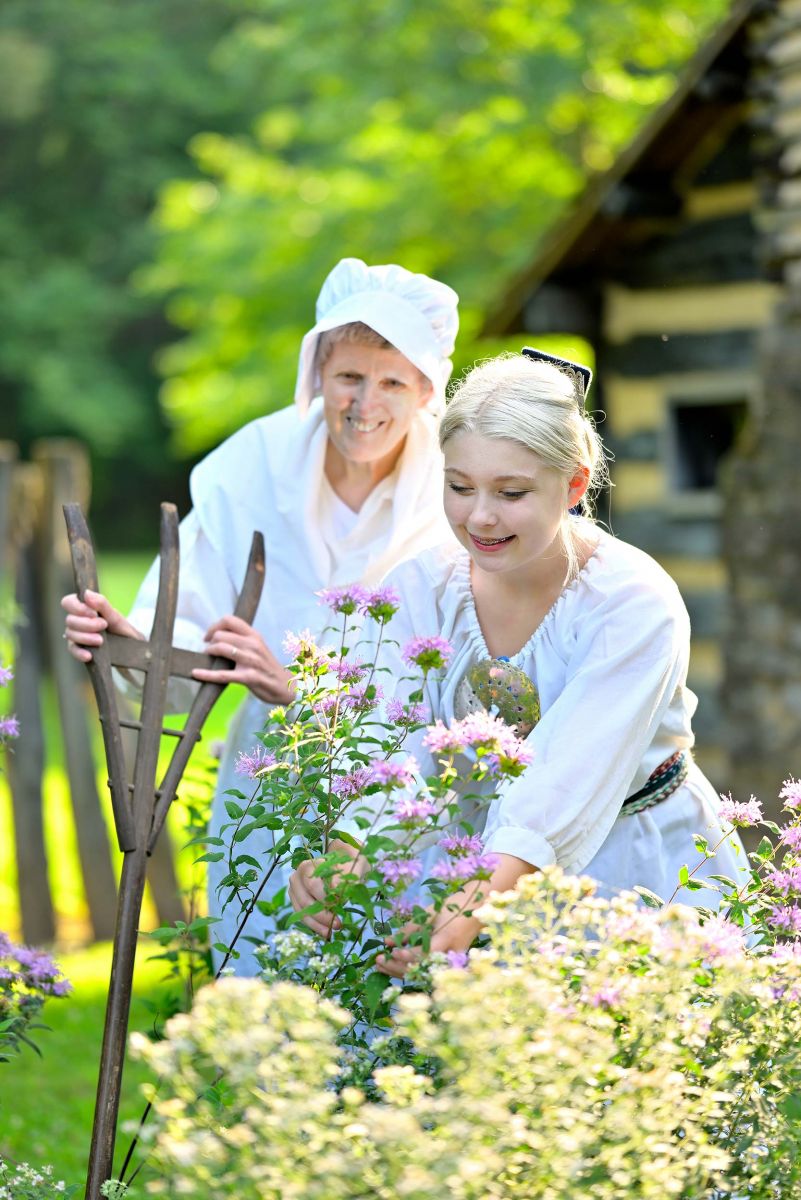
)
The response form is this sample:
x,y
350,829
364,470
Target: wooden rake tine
x,y
208,693
85,571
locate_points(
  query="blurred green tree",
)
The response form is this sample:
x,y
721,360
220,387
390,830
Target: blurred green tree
x,y
97,103
442,135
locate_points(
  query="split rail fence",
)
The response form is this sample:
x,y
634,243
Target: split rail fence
x,y
36,572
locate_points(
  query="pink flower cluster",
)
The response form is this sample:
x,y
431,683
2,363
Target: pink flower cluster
x,y
791,793
785,880
427,653
507,752
740,813
255,764
352,784
301,646
461,843
395,774
379,603
410,810
468,866
388,775
407,714
349,670
786,918
357,700
400,870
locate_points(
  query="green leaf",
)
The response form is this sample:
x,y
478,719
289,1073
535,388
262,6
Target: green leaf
x,y
234,810
374,987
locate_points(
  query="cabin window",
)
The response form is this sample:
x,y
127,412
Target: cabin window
x,y
700,434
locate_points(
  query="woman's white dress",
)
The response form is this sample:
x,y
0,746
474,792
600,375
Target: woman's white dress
x,y
609,662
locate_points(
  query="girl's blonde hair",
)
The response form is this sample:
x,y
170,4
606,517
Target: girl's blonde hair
x,y
536,405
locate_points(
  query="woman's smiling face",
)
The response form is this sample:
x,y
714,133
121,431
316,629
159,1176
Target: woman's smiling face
x,y
370,397
503,503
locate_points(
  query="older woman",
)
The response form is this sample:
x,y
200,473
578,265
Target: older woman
x,y
343,485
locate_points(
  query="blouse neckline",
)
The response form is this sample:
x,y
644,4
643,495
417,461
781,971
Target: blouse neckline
x,y
476,632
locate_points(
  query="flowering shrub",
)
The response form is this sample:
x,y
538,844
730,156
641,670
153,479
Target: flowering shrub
x,y
21,1181
27,979
334,782
596,1048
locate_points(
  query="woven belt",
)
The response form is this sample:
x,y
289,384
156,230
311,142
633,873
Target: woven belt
x,y
660,784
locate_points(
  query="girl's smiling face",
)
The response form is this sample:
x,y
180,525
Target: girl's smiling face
x,y
504,504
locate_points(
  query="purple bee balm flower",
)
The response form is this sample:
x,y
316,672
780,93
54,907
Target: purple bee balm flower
x,y
786,918
363,699
428,653
381,604
349,670
411,809
254,765
459,844
40,971
458,959
468,866
740,814
791,793
345,600
791,837
443,740
354,783
785,881
721,939
301,646
395,774
9,727
400,870
401,909
6,675
786,952
605,997
407,714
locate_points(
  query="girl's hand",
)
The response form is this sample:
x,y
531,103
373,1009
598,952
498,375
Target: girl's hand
x,y
255,665
450,933
86,621
454,926
306,888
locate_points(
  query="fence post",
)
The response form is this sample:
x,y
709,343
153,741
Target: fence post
x,y
65,470
26,763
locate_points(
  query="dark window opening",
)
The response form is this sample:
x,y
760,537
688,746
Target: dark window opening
x,y
701,434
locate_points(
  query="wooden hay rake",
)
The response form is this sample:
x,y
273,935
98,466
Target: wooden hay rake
x,y
140,807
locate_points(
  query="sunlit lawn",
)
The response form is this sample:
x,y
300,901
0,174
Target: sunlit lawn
x,y
46,1104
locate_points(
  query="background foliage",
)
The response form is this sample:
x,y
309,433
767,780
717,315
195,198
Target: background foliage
x,y
271,138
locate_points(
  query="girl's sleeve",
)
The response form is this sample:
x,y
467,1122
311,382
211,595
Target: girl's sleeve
x,y
205,593
630,656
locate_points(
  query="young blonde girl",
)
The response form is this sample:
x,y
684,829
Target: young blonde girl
x,y
577,637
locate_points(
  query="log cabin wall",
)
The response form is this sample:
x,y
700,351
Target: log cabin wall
x,y
681,312
762,525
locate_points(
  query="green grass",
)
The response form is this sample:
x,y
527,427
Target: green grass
x,y
47,1103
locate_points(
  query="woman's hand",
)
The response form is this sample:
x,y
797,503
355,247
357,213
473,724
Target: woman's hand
x,y
256,667
455,928
87,620
306,888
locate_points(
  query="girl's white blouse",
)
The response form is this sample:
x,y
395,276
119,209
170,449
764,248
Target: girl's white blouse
x,y
609,662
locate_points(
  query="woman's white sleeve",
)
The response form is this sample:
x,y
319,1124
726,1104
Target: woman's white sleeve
x,y
205,593
630,656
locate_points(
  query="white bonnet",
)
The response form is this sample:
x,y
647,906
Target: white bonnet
x,y
416,314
